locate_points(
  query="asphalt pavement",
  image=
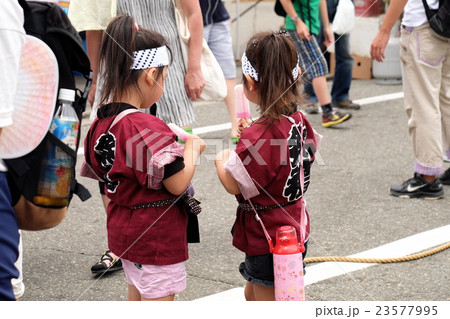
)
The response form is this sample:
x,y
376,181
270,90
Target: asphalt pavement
x,y
348,199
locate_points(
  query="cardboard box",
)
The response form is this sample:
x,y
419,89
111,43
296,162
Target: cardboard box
x,y
362,67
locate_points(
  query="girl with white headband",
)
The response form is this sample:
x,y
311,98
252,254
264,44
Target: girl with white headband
x,y
144,169
270,168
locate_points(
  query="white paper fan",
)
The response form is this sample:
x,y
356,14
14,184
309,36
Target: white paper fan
x,y
34,103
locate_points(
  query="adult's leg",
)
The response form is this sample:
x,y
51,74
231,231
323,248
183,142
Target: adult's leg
x,y
422,56
219,41
444,101
9,241
344,66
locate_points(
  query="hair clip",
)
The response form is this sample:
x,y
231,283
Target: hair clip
x,y
255,42
282,33
136,25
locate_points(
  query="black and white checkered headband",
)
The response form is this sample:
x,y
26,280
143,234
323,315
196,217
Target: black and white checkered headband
x,y
150,58
247,68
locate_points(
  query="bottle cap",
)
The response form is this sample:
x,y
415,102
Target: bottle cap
x,y
66,95
286,234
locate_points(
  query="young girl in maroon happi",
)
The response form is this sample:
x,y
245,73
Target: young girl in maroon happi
x,y
144,168
272,161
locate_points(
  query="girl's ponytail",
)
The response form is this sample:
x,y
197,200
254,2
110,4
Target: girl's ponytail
x,y
274,57
116,56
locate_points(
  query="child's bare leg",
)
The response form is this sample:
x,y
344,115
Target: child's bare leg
x,y
248,292
259,293
321,90
166,298
264,293
133,293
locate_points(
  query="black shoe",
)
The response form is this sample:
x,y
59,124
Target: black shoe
x,y
418,187
445,177
311,107
106,264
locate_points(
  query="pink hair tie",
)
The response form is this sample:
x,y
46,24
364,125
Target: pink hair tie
x,y
136,25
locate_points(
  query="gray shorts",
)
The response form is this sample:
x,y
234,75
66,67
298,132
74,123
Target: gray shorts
x,y
219,41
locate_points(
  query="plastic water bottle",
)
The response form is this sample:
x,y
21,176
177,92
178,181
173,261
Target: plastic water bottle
x,y
58,166
288,266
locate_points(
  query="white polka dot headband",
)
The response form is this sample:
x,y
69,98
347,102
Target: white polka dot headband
x,y
150,58
247,68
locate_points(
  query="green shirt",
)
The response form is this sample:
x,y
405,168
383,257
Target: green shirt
x,y
306,14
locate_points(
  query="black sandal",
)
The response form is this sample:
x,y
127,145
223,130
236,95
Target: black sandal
x,y
103,266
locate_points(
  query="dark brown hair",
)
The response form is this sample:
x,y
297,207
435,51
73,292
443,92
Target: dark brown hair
x,y
274,56
122,38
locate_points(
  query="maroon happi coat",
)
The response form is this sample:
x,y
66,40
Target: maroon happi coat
x,y
266,167
132,158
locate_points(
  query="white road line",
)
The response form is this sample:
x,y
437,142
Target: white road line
x,y
403,247
380,98
227,126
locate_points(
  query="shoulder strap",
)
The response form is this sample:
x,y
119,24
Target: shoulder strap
x,y
429,12
266,233
121,115
118,117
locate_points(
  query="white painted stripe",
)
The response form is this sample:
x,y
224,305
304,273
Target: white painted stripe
x,y
211,128
364,101
227,126
403,247
380,98
399,248
235,294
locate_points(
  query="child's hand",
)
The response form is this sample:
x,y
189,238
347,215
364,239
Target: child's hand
x,y
196,143
242,124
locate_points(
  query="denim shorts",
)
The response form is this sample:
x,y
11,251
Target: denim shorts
x,y
258,269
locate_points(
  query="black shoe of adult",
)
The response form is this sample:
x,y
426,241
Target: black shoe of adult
x,y
445,177
106,264
417,187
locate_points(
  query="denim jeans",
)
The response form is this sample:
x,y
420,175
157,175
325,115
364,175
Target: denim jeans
x,y
9,241
344,62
